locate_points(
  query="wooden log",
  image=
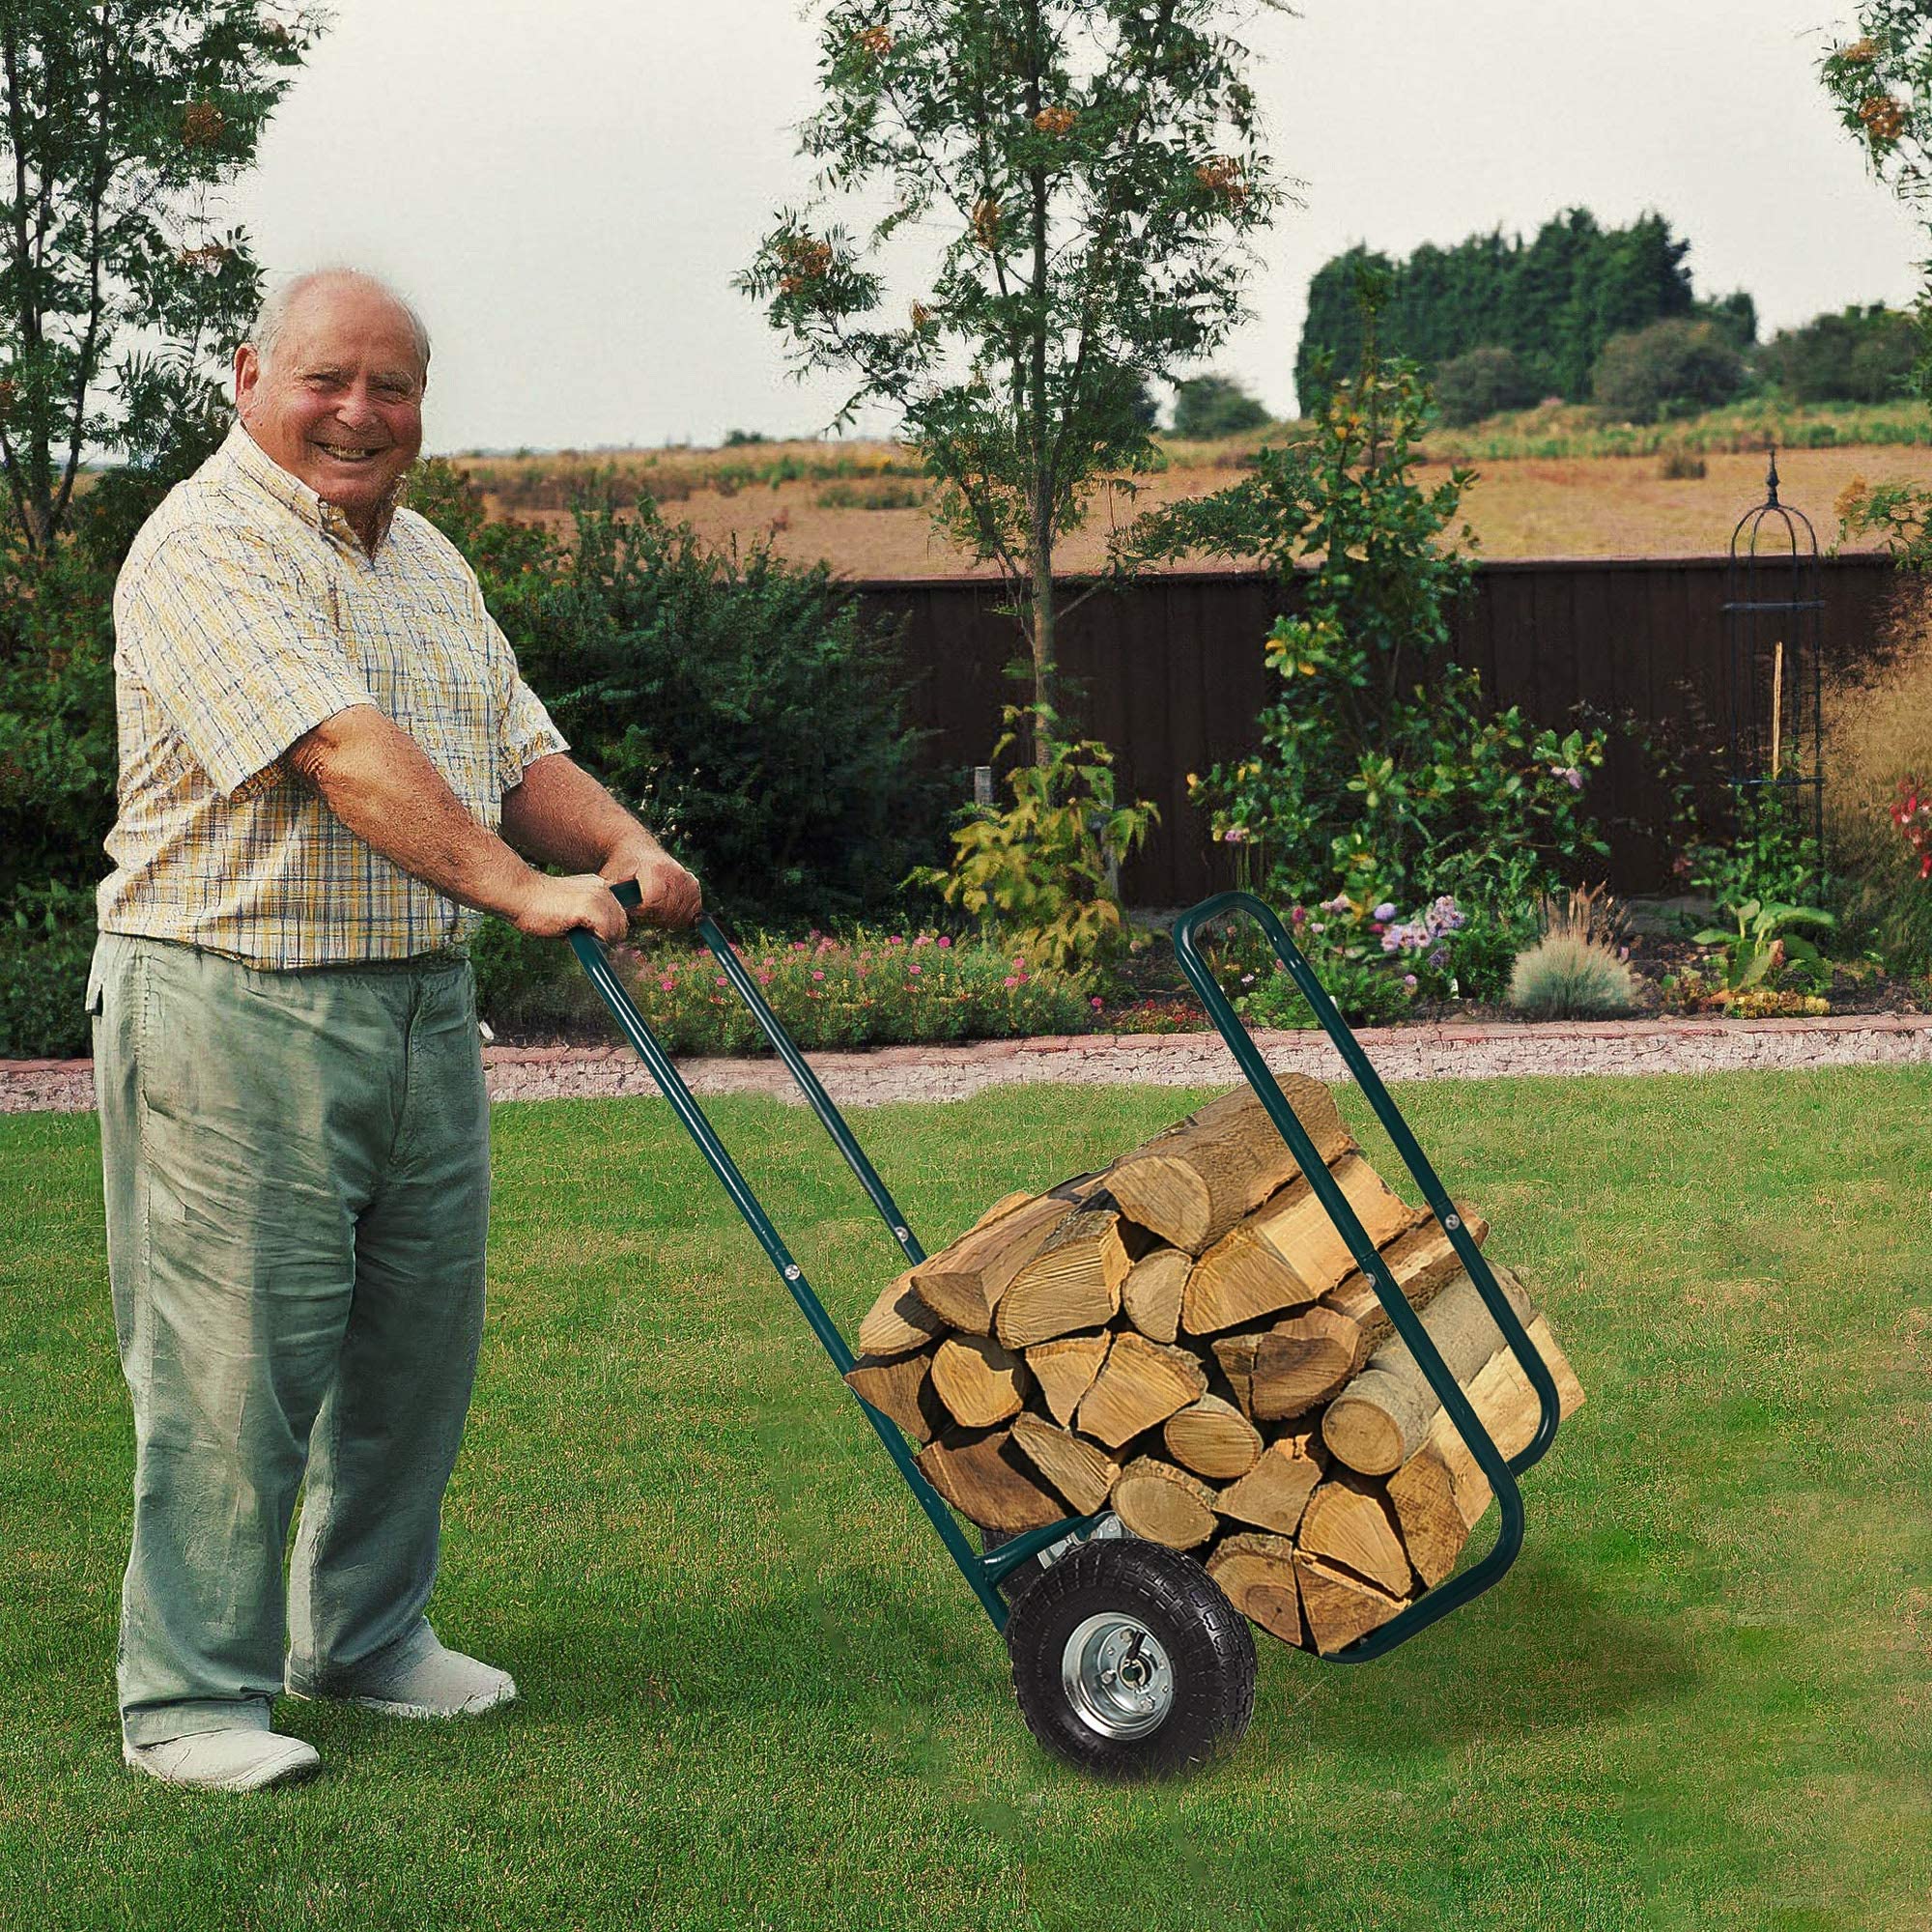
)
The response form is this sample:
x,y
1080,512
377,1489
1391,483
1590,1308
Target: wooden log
x,y
1000,1208
1214,1438
1192,1183
1072,1282
1257,1576
1380,1419
1349,1523
1339,1607
1164,1504
1151,1293
1423,1262
900,1388
898,1322
979,1382
1440,1494
1288,1253
1082,1473
962,1284
1275,1491
1283,1372
988,1481
1139,1384
1065,1370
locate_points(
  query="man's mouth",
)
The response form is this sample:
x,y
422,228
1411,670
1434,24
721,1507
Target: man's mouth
x,y
348,452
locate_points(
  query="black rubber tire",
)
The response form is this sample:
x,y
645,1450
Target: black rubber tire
x,y
1014,1581
1210,1646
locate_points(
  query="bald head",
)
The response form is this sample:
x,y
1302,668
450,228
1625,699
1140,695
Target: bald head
x,y
330,384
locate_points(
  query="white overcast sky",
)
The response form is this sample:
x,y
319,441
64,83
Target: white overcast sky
x,y
567,186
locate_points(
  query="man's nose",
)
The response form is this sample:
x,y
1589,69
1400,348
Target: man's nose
x,y
358,406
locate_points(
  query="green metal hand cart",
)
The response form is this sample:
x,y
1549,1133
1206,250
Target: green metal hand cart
x,y
1128,1660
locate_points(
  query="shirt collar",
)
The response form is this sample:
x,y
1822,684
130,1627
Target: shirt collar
x,y
247,459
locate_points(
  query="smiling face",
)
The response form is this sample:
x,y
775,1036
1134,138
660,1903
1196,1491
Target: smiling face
x,y
339,403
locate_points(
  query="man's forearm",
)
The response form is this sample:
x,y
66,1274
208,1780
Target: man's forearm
x,y
380,784
560,815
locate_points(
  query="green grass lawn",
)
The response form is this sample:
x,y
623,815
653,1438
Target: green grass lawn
x,y
756,1694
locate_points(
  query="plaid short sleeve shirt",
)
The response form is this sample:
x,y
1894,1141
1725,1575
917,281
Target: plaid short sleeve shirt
x,y
246,613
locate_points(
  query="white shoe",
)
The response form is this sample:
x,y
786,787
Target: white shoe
x,y
430,1683
238,1759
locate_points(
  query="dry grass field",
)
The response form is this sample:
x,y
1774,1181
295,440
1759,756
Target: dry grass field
x,y
1543,488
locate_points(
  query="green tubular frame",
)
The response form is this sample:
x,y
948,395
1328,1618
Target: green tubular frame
x,y
1501,1473
983,1574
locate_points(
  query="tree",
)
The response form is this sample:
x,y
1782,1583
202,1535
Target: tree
x,y
1670,366
1857,355
1209,407
1482,382
119,289
1084,172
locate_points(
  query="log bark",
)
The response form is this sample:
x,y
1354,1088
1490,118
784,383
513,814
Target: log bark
x,y
898,1322
1082,1473
1072,1282
1339,1607
1283,1372
1423,1262
962,1284
979,1382
1257,1576
1214,1438
1139,1384
1288,1253
1164,1504
1151,1293
1350,1524
900,1388
1440,1494
1192,1183
1273,1495
1381,1419
1065,1370
988,1481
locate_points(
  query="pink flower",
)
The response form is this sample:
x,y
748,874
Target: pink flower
x,y
943,942
923,939
897,939
720,978
1019,964
764,979
915,969
1010,981
1097,1003
817,975
668,986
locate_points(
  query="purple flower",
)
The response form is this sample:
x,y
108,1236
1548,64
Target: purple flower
x,y
1570,776
1408,981
1385,911
1438,959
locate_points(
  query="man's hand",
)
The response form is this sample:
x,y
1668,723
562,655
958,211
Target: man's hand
x,y
670,897
552,907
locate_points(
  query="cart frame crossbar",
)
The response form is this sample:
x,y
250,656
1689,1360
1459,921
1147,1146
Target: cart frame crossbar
x,y
984,1573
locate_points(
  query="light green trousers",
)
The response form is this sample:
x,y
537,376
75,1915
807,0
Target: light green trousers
x,y
298,1176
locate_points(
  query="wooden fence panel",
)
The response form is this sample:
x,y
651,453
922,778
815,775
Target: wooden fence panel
x,y
1169,671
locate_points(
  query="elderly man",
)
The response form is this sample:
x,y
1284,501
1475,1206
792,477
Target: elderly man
x,y
329,766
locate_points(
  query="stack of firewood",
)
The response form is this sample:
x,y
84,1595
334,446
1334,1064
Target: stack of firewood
x,y
1185,1339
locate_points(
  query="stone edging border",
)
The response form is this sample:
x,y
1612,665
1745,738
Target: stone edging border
x,y
1171,1060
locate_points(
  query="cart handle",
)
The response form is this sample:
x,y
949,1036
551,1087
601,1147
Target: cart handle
x,y
984,1573
1501,1473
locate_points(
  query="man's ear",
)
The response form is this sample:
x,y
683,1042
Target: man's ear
x,y
247,374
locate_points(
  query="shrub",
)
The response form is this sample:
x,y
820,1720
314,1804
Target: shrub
x,y
1672,366
529,989
1211,406
46,940
870,989
886,493
1859,356
1566,977
1484,382
1679,466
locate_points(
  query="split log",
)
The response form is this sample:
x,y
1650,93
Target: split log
x,y
1440,1493
1139,1384
962,1284
1082,1473
1065,1370
988,1481
898,1322
900,1388
1423,1264
998,1211
1192,1183
1164,1504
1257,1576
1275,1491
1339,1607
978,1381
1214,1438
1072,1282
1379,1421
1288,1253
1350,1524
1151,1293
1283,1372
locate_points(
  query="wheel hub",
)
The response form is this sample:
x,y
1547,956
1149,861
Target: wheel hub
x,y
1117,1676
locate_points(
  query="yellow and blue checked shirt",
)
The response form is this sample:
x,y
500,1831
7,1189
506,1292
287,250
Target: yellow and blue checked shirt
x,y
247,612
